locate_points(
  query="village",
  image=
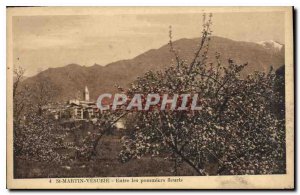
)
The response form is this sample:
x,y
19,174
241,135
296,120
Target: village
x,y
75,110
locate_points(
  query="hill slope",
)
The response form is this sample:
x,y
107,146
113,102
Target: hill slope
x,y
71,79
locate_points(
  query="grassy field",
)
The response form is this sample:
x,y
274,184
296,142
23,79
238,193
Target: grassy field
x,y
106,164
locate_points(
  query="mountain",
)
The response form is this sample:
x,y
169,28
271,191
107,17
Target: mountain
x,y
70,80
272,45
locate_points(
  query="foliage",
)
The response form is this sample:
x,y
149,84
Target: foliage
x,y
21,95
235,127
39,138
87,146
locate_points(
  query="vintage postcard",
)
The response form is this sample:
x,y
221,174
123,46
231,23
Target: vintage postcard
x,y
150,98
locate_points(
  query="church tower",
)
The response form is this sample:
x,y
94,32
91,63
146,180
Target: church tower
x,y
86,94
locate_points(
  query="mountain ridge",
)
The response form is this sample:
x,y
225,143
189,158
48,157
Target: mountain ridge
x,y
72,78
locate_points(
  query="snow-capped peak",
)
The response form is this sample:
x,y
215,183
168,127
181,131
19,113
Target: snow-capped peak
x,y
270,44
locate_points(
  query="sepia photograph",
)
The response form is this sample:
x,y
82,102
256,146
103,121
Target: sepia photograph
x,y
150,98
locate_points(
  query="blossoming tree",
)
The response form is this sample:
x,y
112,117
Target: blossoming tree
x,y
235,128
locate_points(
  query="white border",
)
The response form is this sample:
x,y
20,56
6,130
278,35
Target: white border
x,y
4,3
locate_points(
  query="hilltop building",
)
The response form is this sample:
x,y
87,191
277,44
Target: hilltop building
x,y
82,109
86,94
79,110
75,109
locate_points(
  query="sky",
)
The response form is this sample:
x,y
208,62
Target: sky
x,y
44,41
